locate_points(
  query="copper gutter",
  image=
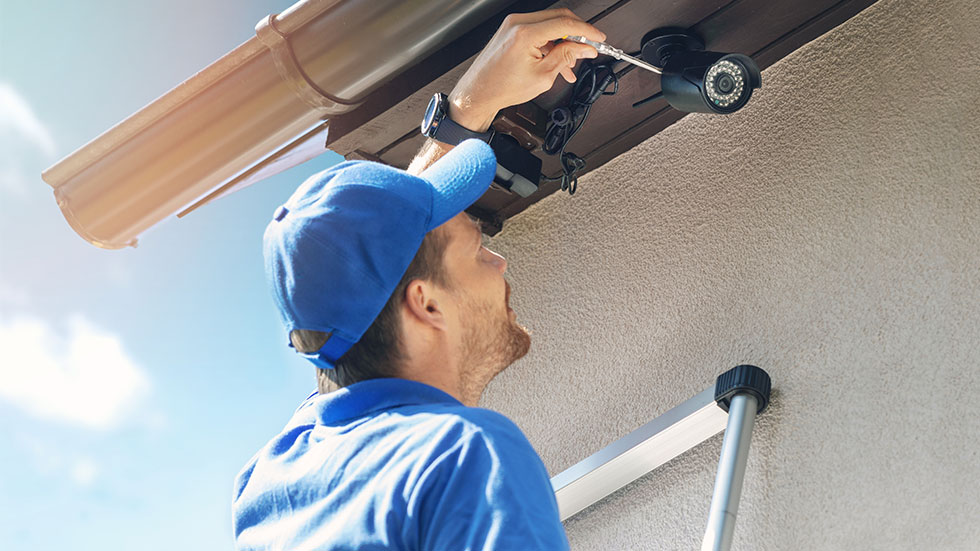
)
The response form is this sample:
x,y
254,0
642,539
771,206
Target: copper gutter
x,y
259,109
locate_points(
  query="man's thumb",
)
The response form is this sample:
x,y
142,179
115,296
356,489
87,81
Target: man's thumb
x,y
563,57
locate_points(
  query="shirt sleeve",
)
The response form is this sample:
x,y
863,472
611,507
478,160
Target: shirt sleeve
x,y
486,491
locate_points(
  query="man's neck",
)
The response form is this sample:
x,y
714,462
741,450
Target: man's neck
x,y
435,375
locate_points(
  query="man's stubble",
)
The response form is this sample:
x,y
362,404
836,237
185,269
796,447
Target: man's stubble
x,y
490,345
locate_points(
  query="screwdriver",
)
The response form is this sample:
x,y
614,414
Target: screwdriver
x,y
606,49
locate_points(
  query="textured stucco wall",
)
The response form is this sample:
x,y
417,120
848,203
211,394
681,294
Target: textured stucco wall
x,y
830,233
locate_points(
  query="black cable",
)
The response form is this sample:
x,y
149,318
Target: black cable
x,y
567,120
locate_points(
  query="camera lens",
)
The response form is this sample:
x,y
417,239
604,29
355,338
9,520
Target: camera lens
x,y
725,83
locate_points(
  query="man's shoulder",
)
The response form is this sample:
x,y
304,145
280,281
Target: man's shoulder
x,y
472,426
473,419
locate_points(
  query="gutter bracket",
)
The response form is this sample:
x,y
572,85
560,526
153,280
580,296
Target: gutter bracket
x,y
293,74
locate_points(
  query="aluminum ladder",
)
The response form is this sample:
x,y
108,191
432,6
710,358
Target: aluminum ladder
x,y
732,404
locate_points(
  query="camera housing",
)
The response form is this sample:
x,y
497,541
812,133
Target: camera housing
x,y
518,170
695,80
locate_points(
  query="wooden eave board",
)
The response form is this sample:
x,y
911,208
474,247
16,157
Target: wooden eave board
x,y
767,30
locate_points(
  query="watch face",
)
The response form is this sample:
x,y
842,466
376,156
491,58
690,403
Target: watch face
x,y
430,116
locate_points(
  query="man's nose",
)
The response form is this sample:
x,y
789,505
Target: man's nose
x,y
500,262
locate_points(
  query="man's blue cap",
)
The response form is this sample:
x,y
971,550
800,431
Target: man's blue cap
x,y
337,249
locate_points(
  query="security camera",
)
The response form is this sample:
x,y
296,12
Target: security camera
x,y
695,80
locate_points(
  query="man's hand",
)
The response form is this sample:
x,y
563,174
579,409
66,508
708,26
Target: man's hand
x,y
520,63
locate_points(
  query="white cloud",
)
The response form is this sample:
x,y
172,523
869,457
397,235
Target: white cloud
x,y
84,472
22,135
85,378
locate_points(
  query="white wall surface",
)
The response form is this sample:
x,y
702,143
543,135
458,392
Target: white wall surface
x,y
829,233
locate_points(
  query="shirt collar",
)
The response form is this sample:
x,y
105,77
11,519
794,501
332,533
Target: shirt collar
x,y
365,397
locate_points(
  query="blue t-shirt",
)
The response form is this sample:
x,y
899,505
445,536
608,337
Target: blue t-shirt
x,y
395,464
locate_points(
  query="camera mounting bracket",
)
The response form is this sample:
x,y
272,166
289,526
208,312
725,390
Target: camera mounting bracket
x,y
659,44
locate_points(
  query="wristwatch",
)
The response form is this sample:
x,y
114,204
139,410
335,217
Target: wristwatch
x,y
437,125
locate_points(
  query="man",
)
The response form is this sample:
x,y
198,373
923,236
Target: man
x,y
384,284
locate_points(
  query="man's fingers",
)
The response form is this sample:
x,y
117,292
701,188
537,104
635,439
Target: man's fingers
x,y
560,27
568,74
546,48
566,54
563,57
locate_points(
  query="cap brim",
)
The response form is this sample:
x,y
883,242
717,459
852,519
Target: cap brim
x,y
459,178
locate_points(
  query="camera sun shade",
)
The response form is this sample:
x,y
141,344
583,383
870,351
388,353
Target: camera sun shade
x,y
695,80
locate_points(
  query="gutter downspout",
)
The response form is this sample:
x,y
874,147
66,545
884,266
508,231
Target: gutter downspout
x,y
258,110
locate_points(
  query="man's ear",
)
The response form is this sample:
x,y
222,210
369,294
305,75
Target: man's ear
x,y
422,304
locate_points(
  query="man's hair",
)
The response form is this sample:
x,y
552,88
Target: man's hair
x,y
378,353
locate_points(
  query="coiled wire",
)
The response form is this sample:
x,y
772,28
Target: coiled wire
x,y
568,119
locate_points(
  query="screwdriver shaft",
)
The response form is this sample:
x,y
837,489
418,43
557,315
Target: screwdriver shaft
x,y
606,49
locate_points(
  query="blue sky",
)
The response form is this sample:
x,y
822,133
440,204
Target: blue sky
x,y
133,383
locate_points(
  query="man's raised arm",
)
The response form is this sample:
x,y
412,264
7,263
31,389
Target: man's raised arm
x,y
520,63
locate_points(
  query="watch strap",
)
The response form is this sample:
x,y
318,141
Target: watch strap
x,y
448,131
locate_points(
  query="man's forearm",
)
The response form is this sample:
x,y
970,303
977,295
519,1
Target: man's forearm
x,y
429,153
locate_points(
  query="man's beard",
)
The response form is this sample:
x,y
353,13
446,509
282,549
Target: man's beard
x,y
491,343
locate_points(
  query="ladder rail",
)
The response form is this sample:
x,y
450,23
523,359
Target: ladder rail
x,y
731,472
638,453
